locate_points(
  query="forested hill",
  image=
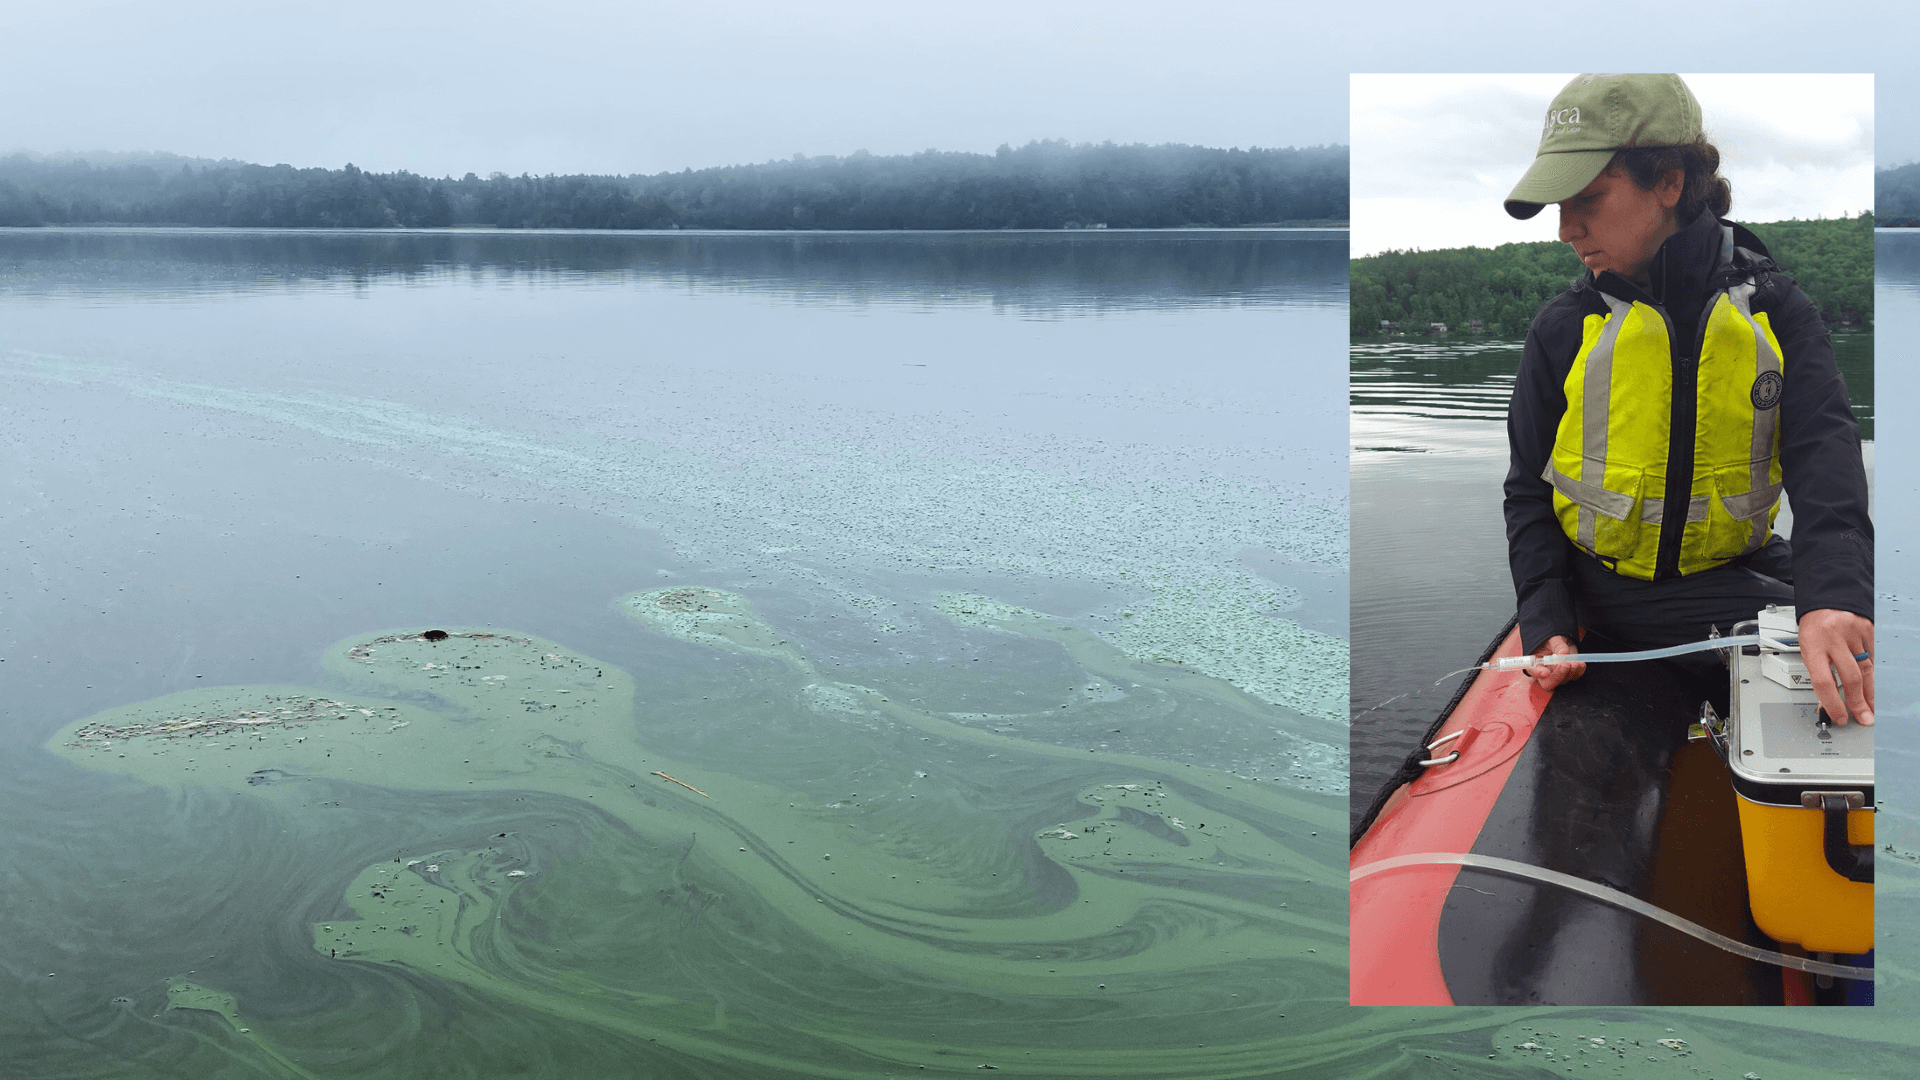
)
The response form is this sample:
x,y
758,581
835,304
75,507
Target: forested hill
x,y
1043,185
1503,287
1896,196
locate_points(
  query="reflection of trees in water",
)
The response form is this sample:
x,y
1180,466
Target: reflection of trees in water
x,y
1456,381
1029,269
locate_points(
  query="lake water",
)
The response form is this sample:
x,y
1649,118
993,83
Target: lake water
x,y
912,554
866,655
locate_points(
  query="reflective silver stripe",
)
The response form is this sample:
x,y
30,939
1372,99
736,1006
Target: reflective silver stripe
x,y
1654,511
1590,497
1752,505
1765,423
1596,390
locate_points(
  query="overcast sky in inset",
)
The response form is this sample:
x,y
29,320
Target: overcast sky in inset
x,y
1435,156
444,87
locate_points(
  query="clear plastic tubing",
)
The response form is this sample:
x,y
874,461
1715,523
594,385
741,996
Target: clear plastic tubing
x,y
1515,663
1614,898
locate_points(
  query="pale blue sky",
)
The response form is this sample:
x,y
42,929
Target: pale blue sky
x,y
569,85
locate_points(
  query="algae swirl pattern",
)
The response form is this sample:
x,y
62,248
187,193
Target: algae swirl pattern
x,y
935,894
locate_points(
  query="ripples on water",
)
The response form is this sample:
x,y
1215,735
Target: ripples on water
x,y
1429,550
1436,380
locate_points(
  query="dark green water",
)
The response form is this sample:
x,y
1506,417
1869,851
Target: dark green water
x,y
989,590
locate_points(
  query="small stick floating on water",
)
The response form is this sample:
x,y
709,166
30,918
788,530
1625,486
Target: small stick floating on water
x,y
683,784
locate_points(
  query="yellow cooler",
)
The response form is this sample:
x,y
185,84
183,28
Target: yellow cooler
x,y
1805,791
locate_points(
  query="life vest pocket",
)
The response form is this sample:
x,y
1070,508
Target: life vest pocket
x,y
1746,505
1617,505
1741,517
1608,522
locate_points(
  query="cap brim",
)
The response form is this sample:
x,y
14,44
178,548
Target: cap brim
x,y
1553,177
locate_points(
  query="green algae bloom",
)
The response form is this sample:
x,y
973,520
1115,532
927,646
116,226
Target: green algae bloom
x,y
846,885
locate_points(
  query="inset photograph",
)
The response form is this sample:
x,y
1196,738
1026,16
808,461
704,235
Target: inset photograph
x,y
1612,420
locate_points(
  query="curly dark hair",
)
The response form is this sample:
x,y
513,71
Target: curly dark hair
x,y
1703,188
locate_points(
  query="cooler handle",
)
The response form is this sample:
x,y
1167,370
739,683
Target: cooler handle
x,y
1851,861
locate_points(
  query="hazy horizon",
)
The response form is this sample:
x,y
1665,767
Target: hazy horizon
x,y
582,86
104,158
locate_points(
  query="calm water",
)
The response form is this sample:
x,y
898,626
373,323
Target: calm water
x,y
869,655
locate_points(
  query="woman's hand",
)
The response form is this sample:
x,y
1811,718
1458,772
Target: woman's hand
x,y
1829,641
1548,677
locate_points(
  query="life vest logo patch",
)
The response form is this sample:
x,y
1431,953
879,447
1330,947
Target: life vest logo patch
x,y
1766,390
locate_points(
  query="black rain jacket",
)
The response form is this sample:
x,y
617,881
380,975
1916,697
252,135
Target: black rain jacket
x,y
1826,482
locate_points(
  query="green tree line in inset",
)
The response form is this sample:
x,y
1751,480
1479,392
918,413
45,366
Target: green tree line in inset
x,y
1503,288
1043,185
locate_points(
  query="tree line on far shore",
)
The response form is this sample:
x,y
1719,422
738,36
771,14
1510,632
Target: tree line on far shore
x,y
1502,288
1896,196
1043,185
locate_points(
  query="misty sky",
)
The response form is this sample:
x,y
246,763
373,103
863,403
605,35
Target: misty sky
x,y
1434,156
573,86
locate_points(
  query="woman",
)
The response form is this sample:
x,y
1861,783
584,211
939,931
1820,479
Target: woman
x,y
1683,371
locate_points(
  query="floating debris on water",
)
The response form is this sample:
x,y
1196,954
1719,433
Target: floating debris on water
x,y
283,712
364,650
708,617
691,600
682,783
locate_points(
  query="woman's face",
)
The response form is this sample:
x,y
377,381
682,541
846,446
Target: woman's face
x,y
1615,224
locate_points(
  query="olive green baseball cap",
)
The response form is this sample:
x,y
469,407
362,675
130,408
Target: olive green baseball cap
x,y
1591,118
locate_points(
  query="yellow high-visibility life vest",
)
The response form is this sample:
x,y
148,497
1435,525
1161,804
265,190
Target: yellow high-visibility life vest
x,y
1609,464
